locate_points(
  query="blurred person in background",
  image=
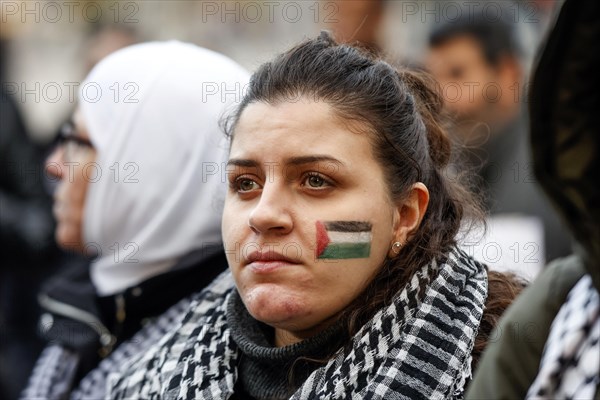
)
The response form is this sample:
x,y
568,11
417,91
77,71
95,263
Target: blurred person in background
x,y
27,225
548,342
356,21
141,192
477,60
106,39
26,234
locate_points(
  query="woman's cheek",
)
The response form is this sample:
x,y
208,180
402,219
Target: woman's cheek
x,y
231,242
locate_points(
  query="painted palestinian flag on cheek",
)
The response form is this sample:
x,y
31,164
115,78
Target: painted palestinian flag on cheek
x,y
343,239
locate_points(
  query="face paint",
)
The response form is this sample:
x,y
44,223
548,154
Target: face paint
x,y
343,239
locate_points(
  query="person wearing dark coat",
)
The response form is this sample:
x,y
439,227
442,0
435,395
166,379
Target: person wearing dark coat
x,y
547,344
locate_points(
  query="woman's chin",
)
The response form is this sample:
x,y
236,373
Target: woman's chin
x,y
275,305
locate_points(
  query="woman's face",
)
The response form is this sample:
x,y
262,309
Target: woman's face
x,y
308,219
69,164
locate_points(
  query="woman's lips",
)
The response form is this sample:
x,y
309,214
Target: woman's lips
x,y
268,261
263,267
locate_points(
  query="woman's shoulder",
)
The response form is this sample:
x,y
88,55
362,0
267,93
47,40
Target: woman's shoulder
x,y
212,298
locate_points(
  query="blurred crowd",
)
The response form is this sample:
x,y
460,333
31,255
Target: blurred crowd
x,y
481,55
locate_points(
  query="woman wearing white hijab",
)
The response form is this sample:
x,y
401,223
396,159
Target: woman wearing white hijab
x,y
141,190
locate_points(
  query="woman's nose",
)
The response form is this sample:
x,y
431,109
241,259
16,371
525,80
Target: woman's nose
x,y
55,163
272,212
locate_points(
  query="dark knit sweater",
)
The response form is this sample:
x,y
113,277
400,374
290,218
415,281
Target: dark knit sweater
x,y
265,370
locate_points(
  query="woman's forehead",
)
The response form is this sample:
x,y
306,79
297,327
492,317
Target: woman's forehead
x,y
289,127
293,113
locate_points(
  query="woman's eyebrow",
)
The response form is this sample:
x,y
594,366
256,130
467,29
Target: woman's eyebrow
x,y
240,162
300,160
313,159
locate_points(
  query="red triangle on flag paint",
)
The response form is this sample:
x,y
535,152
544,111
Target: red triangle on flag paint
x,y
322,238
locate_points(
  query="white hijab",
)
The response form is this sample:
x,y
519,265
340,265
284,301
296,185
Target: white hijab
x,y
161,155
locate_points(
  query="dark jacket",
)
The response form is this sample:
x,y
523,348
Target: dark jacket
x,y
511,361
92,327
565,138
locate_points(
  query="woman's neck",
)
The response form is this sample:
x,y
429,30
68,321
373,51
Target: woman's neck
x,y
285,337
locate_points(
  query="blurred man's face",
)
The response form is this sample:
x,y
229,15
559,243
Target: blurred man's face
x,y
469,84
355,20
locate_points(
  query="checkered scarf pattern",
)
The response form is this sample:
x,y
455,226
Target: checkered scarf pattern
x,y
55,370
570,366
93,385
419,347
53,374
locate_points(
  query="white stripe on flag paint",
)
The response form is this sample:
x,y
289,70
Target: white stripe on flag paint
x,y
349,237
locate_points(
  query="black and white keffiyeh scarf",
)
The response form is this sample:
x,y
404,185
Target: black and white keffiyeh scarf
x,y
55,371
570,365
54,374
419,347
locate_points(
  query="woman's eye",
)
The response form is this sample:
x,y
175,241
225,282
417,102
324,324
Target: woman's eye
x,y
246,185
316,181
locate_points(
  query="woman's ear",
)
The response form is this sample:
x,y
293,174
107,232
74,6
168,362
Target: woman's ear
x,y
410,212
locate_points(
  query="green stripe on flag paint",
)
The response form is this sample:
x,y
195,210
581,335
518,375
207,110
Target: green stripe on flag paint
x,y
346,250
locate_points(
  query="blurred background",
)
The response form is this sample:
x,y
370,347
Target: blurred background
x,y
480,52
53,43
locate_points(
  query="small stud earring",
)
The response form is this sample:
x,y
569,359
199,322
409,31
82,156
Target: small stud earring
x,y
396,247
